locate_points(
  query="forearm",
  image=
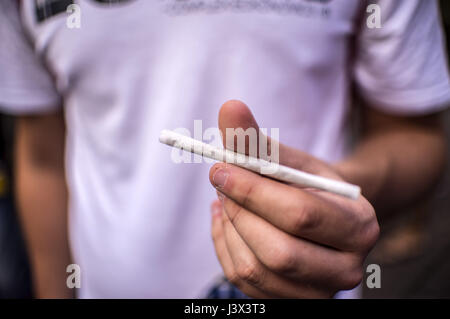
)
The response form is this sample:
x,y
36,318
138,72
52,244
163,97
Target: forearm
x,y
42,201
396,165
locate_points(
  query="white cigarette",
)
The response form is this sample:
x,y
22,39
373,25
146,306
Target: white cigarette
x,y
277,171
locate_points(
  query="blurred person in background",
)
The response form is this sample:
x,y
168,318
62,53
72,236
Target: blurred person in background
x,y
413,247
91,103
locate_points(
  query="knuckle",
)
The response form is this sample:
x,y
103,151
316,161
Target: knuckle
x,y
369,233
372,235
352,279
304,219
354,273
248,193
282,260
249,272
233,278
234,211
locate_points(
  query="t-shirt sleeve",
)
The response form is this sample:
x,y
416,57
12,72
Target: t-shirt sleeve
x,y
401,68
26,86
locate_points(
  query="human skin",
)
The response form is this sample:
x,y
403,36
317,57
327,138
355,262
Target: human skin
x,y
384,163
275,240
41,195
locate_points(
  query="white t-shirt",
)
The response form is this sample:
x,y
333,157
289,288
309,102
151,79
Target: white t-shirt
x,y
139,223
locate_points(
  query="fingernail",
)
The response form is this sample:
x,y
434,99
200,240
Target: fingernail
x,y
220,178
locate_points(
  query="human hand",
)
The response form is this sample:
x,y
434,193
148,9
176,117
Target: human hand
x,y
275,240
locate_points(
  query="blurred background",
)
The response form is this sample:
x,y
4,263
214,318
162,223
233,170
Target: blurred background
x,y
413,250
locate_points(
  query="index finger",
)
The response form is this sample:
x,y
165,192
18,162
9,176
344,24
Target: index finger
x,y
293,210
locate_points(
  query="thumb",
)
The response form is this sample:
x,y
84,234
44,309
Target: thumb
x,y
239,129
241,133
